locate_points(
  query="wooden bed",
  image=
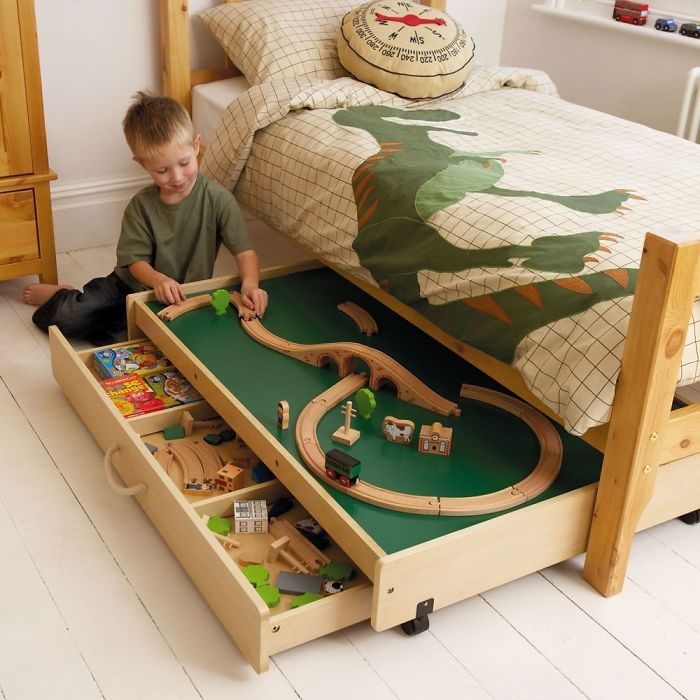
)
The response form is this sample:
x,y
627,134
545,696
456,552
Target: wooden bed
x,y
649,472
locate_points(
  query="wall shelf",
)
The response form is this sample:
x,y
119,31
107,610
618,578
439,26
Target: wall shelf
x,y
600,15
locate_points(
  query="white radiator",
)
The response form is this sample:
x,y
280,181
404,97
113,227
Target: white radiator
x,y
689,121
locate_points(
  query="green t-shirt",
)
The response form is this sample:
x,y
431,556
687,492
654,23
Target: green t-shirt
x,y
180,240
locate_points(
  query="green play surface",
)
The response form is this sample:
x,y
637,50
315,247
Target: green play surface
x,y
491,448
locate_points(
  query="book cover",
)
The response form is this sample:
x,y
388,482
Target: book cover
x,y
171,387
138,357
132,395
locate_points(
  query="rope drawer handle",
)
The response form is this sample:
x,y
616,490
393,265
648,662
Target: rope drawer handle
x,y
109,474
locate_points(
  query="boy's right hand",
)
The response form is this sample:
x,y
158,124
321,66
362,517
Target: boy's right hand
x,y
168,291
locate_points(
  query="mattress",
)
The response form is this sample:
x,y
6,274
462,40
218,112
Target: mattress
x,y
209,101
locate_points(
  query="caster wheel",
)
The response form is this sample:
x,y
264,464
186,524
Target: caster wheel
x,y
692,518
416,626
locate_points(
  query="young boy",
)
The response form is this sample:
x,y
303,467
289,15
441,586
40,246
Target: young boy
x,y
171,232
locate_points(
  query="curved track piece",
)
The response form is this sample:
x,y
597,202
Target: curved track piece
x,y
364,320
175,310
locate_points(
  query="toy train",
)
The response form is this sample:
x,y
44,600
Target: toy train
x,y
343,467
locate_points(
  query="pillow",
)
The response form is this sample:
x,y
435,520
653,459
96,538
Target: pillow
x,y
406,48
269,39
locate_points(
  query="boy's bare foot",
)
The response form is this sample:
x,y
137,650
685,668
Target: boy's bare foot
x,y
37,294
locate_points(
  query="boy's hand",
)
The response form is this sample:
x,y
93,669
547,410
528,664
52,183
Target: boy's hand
x,y
168,291
254,298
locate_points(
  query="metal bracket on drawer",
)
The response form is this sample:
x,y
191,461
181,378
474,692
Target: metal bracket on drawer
x,y
109,474
425,607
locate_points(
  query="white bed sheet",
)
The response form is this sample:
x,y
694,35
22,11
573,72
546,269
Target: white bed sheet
x,y
209,101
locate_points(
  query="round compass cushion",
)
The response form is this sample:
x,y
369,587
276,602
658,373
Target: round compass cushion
x,y
406,48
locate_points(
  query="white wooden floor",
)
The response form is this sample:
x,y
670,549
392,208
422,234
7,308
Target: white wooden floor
x,y
93,604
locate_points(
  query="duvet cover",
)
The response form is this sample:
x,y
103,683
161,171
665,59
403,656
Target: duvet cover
x,y
510,218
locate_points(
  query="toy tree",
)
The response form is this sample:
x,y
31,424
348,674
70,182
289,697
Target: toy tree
x,y
220,301
365,402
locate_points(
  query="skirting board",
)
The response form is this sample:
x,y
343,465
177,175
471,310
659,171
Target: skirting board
x,y
89,214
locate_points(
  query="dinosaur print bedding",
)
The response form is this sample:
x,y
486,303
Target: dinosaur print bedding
x,y
510,218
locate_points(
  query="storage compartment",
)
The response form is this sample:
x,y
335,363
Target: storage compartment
x,y
18,229
271,550
257,630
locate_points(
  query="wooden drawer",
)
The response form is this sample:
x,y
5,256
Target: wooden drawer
x,y
403,583
18,227
257,630
437,569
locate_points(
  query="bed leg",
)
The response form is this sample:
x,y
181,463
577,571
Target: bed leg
x,y
663,298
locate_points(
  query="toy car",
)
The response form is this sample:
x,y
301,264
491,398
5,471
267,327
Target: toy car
x,y
690,29
630,12
667,24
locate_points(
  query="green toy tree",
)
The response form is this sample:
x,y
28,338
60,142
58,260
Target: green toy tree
x,y
220,301
365,402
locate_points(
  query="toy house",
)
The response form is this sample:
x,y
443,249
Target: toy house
x,y
250,517
230,477
435,439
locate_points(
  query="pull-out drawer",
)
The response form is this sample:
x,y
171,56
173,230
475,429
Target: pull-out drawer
x,y
258,631
417,562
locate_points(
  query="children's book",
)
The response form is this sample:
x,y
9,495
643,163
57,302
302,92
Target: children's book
x,y
171,387
139,357
132,395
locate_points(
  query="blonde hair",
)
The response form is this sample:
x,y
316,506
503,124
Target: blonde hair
x,y
154,121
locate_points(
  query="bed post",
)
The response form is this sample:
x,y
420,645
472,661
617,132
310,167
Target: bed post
x,y
666,287
175,48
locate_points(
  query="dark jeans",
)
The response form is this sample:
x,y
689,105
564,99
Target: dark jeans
x,y
97,314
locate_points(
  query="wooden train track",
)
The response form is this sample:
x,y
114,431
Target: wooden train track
x,y
197,462
174,310
409,388
364,320
533,485
383,368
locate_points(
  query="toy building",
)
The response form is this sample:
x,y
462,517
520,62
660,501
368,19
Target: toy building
x,y
435,439
250,517
230,477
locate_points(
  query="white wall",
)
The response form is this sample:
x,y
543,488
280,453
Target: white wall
x,y
620,73
483,20
94,57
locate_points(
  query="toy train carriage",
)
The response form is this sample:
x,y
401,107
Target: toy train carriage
x,y
343,467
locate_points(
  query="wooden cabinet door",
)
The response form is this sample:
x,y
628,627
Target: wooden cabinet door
x,y
15,143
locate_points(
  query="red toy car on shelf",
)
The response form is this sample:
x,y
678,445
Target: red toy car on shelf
x,y
631,12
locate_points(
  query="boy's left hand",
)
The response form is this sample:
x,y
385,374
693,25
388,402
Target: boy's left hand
x,y
254,298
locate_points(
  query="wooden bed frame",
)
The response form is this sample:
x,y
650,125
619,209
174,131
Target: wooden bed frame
x,y
650,473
